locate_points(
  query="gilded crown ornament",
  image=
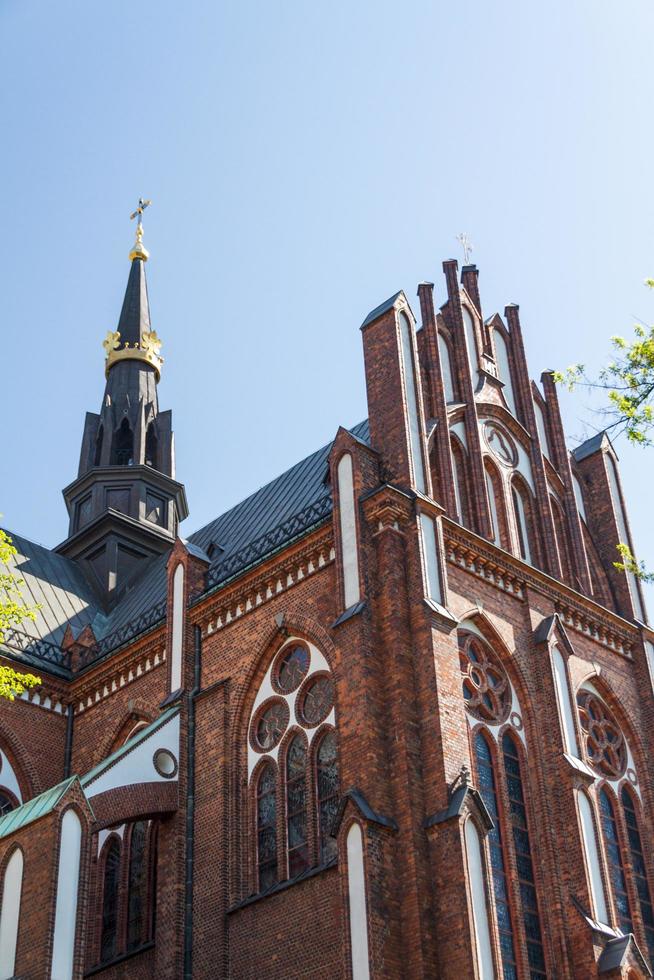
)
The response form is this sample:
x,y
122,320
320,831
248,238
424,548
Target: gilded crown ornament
x,y
147,350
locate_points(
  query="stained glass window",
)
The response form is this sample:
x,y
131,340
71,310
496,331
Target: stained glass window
x,y
270,726
6,803
296,807
487,787
327,765
137,886
486,688
639,869
520,830
605,745
293,669
612,846
318,701
110,902
267,828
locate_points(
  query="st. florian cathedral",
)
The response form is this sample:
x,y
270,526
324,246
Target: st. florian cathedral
x,y
389,717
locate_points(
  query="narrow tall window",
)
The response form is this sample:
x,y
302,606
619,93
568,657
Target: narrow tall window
x,y
520,829
561,541
98,447
616,868
296,807
123,447
327,766
487,786
504,369
110,903
151,446
522,511
267,828
460,483
496,504
639,869
446,369
137,886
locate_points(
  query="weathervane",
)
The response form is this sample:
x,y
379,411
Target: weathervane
x,y
463,240
139,251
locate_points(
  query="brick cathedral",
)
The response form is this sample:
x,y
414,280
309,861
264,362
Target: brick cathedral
x,y
389,717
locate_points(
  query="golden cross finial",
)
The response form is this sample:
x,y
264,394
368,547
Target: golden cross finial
x,y
466,245
139,211
139,250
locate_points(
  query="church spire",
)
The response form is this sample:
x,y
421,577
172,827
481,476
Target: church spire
x,y
125,505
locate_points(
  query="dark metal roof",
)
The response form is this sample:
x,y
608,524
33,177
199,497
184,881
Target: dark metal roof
x,y
280,511
590,446
135,312
381,309
57,585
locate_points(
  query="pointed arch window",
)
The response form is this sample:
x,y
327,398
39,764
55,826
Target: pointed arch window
x,y
295,771
561,540
496,503
267,828
98,446
151,446
137,886
109,935
446,369
521,843
296,807
327,774
524,521
488,789
639,869
614,857
123,447
459,471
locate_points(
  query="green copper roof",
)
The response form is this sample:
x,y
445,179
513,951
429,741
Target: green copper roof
x,y
129,746
34,809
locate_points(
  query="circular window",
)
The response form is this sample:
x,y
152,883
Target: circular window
x,y
269,725
292,668
486,687
500,444
318,700
165,763
605,744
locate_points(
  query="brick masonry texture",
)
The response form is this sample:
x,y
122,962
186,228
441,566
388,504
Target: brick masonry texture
x,y
402,728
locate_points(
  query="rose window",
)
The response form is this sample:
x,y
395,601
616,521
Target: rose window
x,y
605,744
486,687
270,725
292,669
318,700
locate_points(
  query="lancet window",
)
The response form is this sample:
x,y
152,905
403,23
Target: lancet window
x,y
123,445
498,752
108,939
293,765
127,890
616,792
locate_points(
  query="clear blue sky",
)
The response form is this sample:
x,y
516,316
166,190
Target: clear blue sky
x,y
305,162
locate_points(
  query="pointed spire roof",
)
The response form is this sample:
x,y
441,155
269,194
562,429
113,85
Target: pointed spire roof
x,y
135,314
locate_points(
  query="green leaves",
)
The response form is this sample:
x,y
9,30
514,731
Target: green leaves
x,y
630,564
13,612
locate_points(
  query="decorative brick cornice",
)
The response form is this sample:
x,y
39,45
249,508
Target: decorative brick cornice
x,y
288,570
388,507
478,561
479,557
119,676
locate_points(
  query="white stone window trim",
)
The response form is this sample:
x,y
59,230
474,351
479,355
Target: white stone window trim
x,y
317,664
514,722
